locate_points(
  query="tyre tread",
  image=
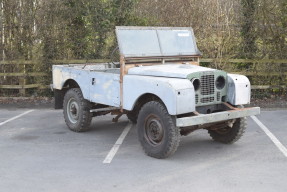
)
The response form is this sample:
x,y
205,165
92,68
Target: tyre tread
x,y
85,117
173,131
230,137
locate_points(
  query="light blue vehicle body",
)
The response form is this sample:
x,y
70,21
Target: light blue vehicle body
x,y
102,86
98,85
169,81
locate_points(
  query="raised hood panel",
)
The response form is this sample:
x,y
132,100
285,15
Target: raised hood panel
x,y
168,70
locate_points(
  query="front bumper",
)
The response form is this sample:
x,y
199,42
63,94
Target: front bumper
x,y
201,119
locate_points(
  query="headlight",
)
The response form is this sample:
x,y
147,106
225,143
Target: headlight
x,y
220,82
196,83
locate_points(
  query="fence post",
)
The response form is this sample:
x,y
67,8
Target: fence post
x,y
22,79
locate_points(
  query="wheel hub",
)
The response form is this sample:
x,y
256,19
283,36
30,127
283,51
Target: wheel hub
x,y
73,110
154,131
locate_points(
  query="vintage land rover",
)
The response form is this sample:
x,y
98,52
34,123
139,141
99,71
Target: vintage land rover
x,y
160,86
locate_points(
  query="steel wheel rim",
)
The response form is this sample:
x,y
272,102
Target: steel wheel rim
x,y
154,131
73,110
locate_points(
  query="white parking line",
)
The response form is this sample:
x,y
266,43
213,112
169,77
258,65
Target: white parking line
x,y
117,145
16,117
278,144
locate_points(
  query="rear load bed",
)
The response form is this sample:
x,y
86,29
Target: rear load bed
x,y
98,82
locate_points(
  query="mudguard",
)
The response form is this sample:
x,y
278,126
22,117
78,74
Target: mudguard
x,y
239,89
177,94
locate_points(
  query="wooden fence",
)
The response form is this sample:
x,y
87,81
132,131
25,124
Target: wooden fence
x,y
22,74
20,71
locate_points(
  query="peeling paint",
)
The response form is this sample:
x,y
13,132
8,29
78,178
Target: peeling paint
x,y
107,84
96,96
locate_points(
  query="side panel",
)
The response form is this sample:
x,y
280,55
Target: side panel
x,y
177,94
59,76
239,89
105,88
98,87
62,73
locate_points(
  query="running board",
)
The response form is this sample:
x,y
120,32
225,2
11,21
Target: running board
x,y
104,109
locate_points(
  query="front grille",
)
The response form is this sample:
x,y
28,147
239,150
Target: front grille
x,y
196,98
207,84
218,96
207,99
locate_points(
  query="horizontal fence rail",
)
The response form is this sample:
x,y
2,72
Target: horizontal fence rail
x,y
264,74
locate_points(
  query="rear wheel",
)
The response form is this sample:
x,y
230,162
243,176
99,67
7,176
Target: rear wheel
x,y
229,135
157,132
77,111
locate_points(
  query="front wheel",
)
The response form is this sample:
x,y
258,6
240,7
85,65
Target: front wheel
x,y
132,116
229,135
157,131
77,111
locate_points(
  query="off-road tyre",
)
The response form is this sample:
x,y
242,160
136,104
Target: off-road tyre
x,y
229,135
157,131
77,111
132,117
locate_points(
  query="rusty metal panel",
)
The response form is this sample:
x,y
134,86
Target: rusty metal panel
x,y
216,117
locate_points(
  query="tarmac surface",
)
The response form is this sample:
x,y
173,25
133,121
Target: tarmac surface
x,y
39,153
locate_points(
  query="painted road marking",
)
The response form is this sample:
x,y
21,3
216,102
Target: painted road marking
x,y
16,117
117,145
278,144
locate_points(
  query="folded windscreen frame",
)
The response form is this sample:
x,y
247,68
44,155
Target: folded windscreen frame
x,y
156,41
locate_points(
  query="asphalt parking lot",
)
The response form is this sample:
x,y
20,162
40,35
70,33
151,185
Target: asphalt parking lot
x,y
39,153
